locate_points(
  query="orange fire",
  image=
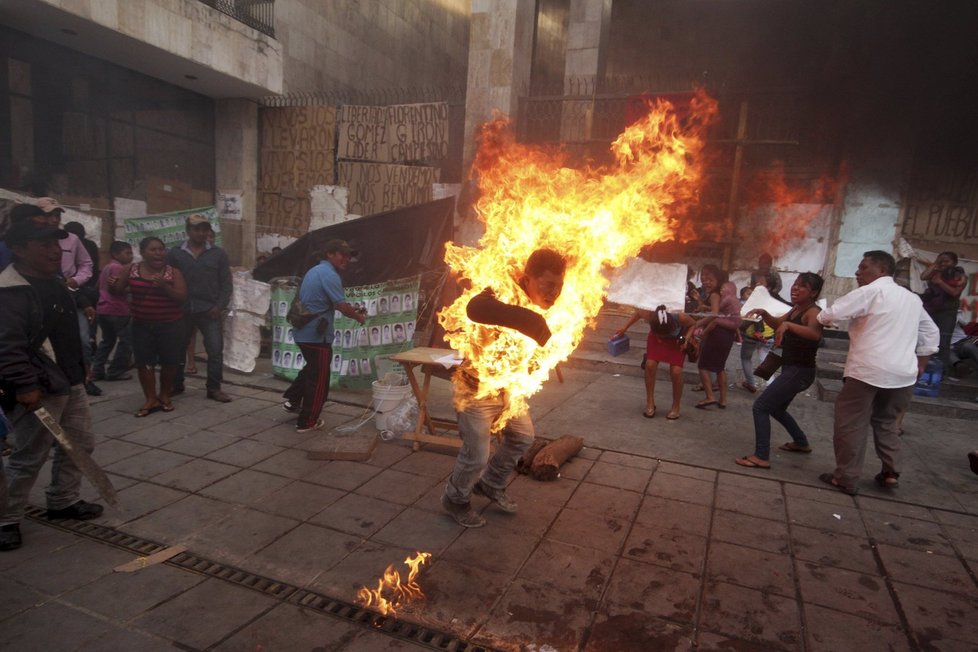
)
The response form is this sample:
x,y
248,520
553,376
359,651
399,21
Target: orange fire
x,y
598,218
391,593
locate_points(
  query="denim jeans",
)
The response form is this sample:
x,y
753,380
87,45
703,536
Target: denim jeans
x,y
212,330
473,460
748,348
31,442
117,333
774,402
85,332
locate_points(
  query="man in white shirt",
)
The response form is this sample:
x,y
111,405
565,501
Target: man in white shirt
x,y
891,338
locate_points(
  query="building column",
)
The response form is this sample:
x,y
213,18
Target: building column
x,y
587,37
236,170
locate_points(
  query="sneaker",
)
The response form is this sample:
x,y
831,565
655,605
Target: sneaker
x,y
80,511
10,538
92,389
463,514
289,406
319,424
497,496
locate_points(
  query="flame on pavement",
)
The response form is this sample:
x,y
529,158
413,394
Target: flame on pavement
x,y
597,217
391,592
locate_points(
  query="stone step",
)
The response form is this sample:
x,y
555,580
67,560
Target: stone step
x,y
828,390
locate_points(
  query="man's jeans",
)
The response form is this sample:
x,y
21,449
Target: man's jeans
x,y
31,442
85,332
774,402
471,465
116,329
212,330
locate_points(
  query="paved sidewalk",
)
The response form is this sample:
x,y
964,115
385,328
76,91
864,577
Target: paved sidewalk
x,y
652,539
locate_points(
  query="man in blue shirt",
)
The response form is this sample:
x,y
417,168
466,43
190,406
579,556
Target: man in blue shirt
x,y
321,292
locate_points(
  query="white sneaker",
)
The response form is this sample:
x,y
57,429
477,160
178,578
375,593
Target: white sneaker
x,y
319,424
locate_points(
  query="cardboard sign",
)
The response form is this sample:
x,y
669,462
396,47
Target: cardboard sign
x,y
390,134
378,187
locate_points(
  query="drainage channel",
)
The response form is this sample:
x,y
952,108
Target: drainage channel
x,y
418,634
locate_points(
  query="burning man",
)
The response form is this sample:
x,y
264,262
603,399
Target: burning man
x,y
891,338
542,281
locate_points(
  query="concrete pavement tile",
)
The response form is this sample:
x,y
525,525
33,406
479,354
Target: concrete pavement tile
x,y
756,569
244,452
91,494
199,443
745,501
362,567
618,476
40,540
770,620
177,522
670,548
576,468
674,515
828,629
121,639
458,596
358,515
712,642
937,618
605,501
907,532
299,500
301,555
371,641
240,534
653,590
243,426
245,487
688,471
737,483
750,531
920,512
284,434
494,547
239,390
419,529
965,540
119,424
569,568
17,598
291,463
435,465
149,464
823,516
275,414
341,474
677,487
183,620
540,501
122,596
156,433
49,626
112,450
195,474
589,453
933,571
287,627
957,519
397,486
534,613
138,500
855,593
624,459
831,496
833,549
389,453
590,530
636,632
68,567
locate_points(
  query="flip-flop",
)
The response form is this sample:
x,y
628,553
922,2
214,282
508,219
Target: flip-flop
x,y
647,415
748,462
167,407
829,479
145,412
749,388
702,405
672,416
792,447
722,406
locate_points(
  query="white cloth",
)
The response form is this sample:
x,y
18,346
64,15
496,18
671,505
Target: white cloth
x,y
888,329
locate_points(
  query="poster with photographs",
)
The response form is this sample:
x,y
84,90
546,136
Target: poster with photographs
x,y
392,312
286,356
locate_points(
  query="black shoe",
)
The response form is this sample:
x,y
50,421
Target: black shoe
x,y
92,389
177,389
289,406
100,376
10,537
80,511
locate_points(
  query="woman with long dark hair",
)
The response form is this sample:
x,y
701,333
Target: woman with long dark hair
x,y
718,331
942,298
798,333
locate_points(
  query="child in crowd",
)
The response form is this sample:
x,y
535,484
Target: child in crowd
x,y
113,318
756,337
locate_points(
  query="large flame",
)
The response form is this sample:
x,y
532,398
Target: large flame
x,y
597,218
391,593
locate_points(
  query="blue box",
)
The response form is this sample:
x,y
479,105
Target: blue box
x,y
618,345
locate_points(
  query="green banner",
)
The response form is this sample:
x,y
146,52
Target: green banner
x,y
286,356
171,228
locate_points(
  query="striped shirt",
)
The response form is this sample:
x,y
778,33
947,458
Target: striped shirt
x,y
150,303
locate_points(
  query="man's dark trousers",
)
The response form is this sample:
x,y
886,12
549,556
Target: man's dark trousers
x,y
212,331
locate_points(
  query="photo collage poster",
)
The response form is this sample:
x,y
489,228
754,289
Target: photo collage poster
x,y
286,356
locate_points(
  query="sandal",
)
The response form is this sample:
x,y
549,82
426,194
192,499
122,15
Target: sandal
x,y
792,447
888,479
145,412
702,405
672,416
750,388
190,371
828,478
649,415
752,462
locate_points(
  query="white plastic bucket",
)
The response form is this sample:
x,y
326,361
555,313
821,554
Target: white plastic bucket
x,y
386,399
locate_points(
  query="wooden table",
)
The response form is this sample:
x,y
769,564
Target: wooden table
x,y
425,357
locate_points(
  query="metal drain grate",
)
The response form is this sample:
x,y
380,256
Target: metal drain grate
x,y
349,612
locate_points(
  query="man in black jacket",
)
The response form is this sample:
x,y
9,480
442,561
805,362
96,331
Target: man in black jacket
x,y
208,274
38,308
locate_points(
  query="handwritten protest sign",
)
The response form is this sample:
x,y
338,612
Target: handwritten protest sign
x,y
379,187
392,134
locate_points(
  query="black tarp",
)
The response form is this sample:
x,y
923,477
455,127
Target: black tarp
x,y
395,244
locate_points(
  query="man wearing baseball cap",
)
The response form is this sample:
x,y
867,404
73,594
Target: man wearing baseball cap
x,y
321,293
37,308
208,274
